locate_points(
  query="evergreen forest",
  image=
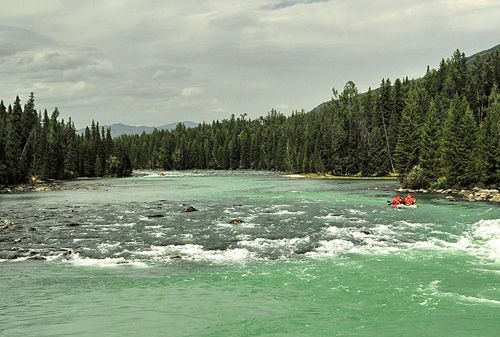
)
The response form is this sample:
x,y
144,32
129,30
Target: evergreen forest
x,y
441,130
34,145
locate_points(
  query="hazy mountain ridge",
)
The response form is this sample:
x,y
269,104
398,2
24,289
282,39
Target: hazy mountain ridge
x,y
118,129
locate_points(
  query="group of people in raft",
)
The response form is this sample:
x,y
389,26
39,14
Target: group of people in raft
x,y
407,201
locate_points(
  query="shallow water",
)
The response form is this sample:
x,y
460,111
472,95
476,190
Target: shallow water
x,y
311,258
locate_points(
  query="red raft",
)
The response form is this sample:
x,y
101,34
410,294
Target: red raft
x,y
408,201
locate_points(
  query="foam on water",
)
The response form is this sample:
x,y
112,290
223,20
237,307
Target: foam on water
x,y
77,260
260,243
194,252
433,294
482,240
414,224
328,248
106,247
473,299
356,211
331,216
285,212
439,244
488,233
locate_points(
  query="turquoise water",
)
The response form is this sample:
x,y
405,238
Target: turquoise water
x,y
311,258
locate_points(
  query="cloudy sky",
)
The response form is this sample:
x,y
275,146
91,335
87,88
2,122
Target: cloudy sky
x,y
155,62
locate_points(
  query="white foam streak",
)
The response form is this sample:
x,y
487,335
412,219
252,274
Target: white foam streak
x,y
488,231
77,260
195,253
261,243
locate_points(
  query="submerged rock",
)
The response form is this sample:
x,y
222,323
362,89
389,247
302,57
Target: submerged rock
x,y
10,255
37,258
366,232
73,224
236,221
190,209
155,216
66,252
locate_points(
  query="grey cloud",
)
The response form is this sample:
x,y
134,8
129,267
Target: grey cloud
x,y
289,3
14,40
161,72
155,61
60,61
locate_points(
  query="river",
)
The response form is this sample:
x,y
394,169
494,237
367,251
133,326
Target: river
x,y
310,258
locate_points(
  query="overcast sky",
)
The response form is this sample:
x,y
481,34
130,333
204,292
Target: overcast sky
x,y
156,62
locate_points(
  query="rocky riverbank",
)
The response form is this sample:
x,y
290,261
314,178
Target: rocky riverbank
x,y
34,187
49,186
474,194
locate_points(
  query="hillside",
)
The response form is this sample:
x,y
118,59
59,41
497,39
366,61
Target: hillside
x,y
469,59
485,52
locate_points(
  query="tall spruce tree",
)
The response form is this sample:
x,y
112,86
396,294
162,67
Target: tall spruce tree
x,y
14,145
407,147
487,153
3,136
458,142
430,138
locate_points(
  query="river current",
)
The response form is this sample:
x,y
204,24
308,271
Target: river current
x,y
262,255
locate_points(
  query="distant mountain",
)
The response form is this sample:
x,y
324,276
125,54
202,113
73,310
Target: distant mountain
x,y
119,129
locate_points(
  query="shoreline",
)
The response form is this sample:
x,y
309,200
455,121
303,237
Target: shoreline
x,y
474,194
329,176
49,186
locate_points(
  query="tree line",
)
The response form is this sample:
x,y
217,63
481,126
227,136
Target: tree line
x,y
34,145
441,130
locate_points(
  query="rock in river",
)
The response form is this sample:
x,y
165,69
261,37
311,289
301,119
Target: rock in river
x,y
190,209
37,258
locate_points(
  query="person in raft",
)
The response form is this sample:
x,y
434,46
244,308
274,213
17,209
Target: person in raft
x,y
396,201
408,200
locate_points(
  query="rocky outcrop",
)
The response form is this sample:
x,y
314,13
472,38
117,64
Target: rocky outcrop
x,y
477,194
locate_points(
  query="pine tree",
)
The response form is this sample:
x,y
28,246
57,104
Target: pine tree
x,y
385,107
407,147
429,144
3,135
14,144
458,142
487,154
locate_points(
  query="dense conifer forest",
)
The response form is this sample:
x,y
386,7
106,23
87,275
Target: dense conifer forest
x,y
34,145
441,130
